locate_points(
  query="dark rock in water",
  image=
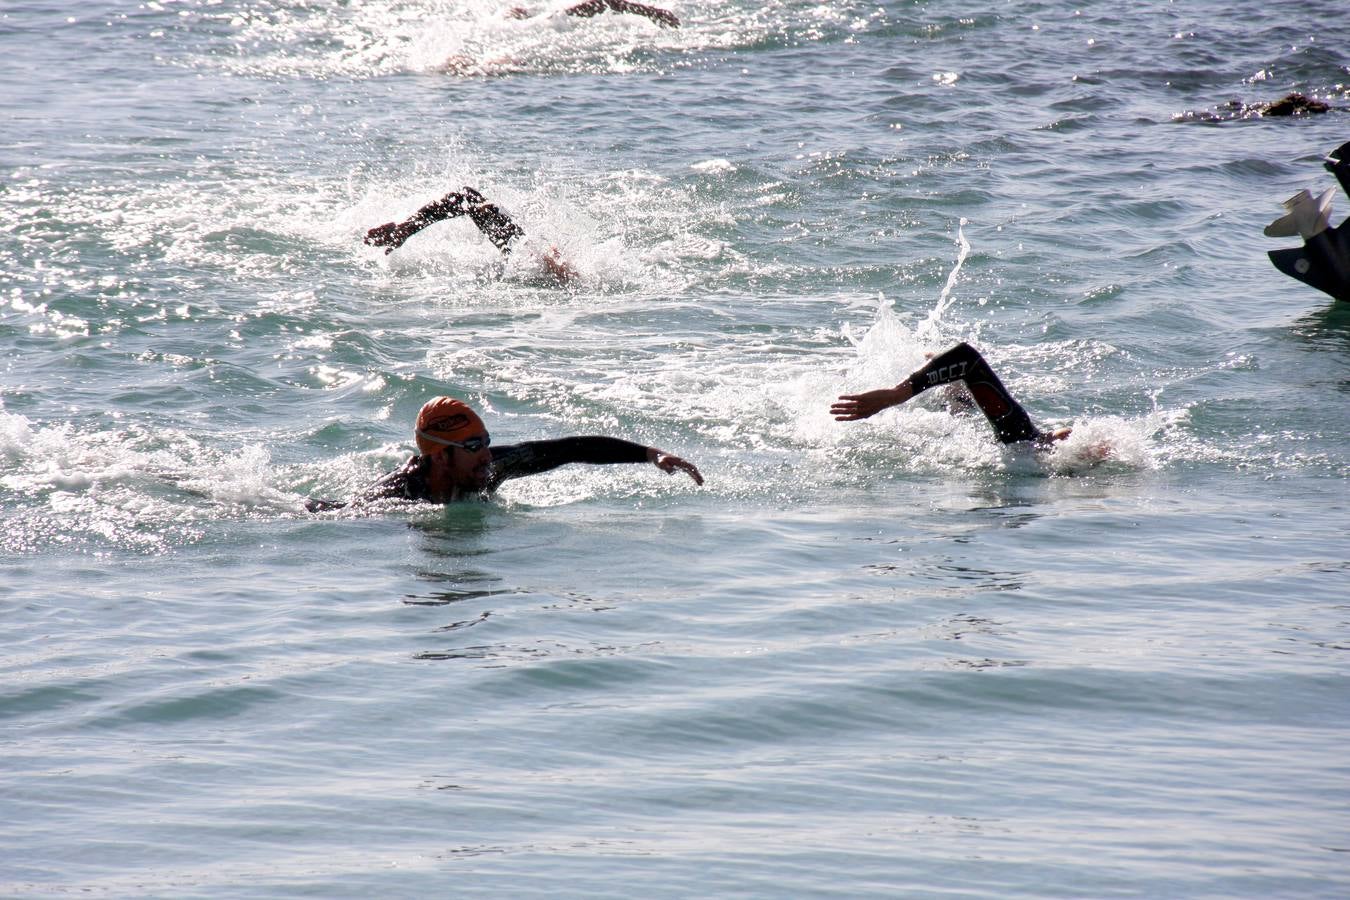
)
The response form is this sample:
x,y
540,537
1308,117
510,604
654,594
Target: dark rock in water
x,y
1291,105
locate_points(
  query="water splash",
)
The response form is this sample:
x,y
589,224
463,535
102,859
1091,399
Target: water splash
x,y
929,328
131,487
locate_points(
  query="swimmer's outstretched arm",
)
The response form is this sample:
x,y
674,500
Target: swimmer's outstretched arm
x,y
391,235
595,7
961,363
852,407
489,219
532,457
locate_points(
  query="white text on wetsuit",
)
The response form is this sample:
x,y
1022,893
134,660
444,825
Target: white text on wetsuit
x,y
947,373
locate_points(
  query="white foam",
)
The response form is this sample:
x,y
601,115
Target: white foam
x,y
713,166
129,487
1111,441
242,478
449,38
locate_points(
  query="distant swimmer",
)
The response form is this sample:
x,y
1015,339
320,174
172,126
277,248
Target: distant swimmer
x,y
664,18
961,363
460,64
489,219
458,462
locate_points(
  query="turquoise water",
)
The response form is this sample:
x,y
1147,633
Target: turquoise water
x,y
886,658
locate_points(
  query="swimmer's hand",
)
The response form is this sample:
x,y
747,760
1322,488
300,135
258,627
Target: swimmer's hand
x,y
669,462
851,407
390,236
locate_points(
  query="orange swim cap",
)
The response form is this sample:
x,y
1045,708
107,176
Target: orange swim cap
x,y
447,419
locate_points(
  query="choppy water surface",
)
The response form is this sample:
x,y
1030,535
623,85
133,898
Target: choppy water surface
x,y
886,658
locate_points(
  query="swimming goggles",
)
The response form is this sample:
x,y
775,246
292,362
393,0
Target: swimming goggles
x,y
473,444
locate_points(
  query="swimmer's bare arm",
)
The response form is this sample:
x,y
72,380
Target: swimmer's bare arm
x,y
595,7
391,235
851,407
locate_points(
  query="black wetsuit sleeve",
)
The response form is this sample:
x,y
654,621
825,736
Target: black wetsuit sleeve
x,y
448,207
587,9
595,7
532,457
964,363
495,224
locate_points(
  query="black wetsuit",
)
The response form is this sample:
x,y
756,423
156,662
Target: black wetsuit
x,y
495,224
508,461
595,7
964,363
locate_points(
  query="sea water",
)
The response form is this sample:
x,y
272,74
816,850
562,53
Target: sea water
x,y
882,658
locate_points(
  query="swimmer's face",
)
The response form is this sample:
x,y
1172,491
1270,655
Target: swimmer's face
x,y
470,469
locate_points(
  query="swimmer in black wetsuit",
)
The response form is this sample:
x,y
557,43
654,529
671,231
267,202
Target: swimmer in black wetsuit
x,y
488,217
461,64
961,363
457,461
590,8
